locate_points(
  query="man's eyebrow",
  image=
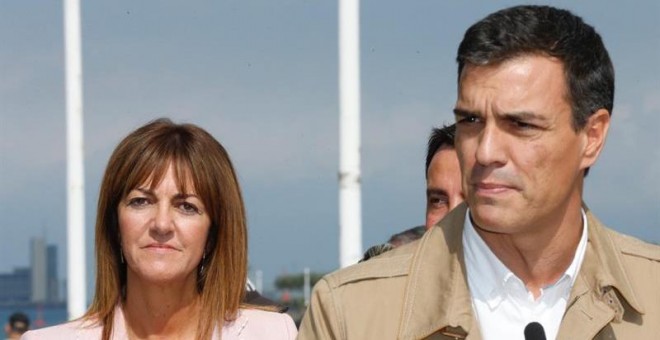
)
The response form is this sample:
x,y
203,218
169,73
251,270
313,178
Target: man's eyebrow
x,y
524,115
463,113
516,115
436,191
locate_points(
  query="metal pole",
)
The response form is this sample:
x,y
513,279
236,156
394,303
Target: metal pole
x,y
350,209
76,288
306,285
259,281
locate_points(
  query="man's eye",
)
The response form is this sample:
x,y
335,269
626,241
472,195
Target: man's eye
x,y
437,201
467,119
522,125
138,202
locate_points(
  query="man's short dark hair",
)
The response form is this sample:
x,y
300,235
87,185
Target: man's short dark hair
x,y
544,30
439,138
19,323
407,236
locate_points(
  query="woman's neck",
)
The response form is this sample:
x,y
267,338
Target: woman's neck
x,y
160,311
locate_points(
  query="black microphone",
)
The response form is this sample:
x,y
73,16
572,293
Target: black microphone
x,y
534,331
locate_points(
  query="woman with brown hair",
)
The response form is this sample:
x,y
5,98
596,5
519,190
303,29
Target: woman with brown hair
x,y
171,245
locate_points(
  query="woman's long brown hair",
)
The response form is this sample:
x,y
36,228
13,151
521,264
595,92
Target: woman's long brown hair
x,y
197,157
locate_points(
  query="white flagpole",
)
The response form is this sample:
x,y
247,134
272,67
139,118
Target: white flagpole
x,y
76,285
350,205
306,285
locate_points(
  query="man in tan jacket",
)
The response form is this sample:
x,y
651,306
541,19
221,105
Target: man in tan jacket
x,y
524,258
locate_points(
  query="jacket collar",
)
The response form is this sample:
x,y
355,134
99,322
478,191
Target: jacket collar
x,y
437,298
602,281
603,267
232,329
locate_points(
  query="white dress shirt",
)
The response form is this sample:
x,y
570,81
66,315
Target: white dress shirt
x,y
502,303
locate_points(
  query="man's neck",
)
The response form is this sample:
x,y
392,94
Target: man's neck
x,y
540,257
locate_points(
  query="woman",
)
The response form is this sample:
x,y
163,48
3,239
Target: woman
x,y
171,245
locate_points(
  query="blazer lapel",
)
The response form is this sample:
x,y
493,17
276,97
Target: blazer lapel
x,y
232,330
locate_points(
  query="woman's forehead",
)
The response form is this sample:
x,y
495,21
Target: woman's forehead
x,y
181,172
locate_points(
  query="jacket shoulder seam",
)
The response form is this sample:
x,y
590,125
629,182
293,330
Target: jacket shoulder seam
x,y
632,246
375,268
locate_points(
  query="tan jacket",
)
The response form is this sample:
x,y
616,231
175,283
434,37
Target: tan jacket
x,y
420,291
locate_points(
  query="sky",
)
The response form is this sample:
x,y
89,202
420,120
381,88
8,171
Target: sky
x,y
261,76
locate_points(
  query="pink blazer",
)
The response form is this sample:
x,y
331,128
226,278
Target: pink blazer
x,y
251,324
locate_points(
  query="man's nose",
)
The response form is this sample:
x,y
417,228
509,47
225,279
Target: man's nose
x,y
490,147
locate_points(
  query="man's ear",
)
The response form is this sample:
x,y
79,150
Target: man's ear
x,y
595,133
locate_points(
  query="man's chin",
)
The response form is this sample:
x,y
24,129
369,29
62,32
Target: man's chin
x,y
490,217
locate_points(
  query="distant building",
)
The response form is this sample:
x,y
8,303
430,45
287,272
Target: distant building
x,y
39,267
16,287
35,284
52,294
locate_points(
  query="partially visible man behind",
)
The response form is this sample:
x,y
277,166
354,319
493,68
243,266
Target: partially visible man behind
x,y
17,324
443,189
535,95
443,175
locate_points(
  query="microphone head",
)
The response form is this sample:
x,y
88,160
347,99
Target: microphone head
x,y
534,331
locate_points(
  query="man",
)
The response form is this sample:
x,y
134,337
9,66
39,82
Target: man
x,y
443,175
443,189
535,95
17,324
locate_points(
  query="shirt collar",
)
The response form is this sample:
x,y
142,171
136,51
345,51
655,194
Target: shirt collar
x,y
573,270
495,280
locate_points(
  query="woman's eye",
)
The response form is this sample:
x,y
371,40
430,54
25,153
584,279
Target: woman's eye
x,y
188,208
138,202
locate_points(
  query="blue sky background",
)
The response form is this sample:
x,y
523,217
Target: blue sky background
x,y
261,76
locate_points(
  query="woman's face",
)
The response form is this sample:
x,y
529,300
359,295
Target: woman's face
x,y
163,232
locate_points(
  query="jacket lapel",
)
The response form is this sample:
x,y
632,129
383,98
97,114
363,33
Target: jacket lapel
x,y
437,299
231,330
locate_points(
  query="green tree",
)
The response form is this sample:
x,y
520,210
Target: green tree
x,y
296,281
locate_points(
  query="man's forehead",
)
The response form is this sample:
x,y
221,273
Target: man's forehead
x,y
522,87
442,162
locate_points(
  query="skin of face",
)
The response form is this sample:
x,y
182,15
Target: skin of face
x,y
163,233
443,185
521,159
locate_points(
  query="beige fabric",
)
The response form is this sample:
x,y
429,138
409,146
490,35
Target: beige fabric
x,y
419,291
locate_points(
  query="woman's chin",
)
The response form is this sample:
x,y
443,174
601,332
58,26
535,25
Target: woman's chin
x,y
162,276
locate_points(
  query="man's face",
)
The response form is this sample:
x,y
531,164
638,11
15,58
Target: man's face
x,y
443,185
522,161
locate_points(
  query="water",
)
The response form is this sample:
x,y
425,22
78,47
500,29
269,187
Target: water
x,y
41,316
